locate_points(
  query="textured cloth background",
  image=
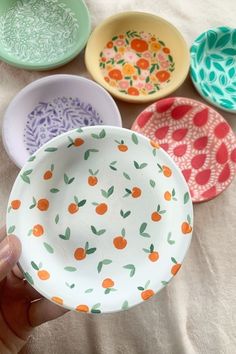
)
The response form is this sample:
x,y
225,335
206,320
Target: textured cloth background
x,y
196,313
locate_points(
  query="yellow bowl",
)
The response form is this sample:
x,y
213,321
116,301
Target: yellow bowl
x,y
137,56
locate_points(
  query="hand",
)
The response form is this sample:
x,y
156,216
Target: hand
x,y
21,306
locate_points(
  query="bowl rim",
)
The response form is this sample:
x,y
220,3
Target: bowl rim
x,y
57,63
39,83
193,63
129,98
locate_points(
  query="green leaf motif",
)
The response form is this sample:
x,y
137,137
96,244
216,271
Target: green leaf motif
x,y
131,267
216,57
223,40
97,232
152,183
134,138
25,176
202,74
200,52
229,51
126,176
29,278
231,72
11,229
226,103
70,269
186,198
54,190
50,149
208,62
169,240
48,247
32,158
90,290
223,79
217,90
88,152
101,135
229,61
211,38
102,263
142,230
68,180
57,219
218,66
66,236
125,305
34,265
212,76
193,74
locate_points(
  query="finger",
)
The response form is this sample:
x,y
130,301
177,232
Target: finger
x,y
17,272
23,287
3,233
43,311
10,250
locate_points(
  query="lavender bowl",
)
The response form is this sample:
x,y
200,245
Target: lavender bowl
x,y
51,106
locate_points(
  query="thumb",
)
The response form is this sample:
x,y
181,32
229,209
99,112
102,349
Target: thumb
x,y
10,250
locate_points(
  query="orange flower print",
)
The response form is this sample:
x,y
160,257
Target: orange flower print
x,y
15,204
139,45
128,70
115,74
143,63
133,91
166,50
155,47
109,44
163,75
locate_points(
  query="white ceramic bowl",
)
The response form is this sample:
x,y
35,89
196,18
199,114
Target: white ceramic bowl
x,y
104,216
51,106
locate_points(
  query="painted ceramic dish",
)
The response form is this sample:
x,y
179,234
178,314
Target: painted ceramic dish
x,y
213,72
51,106
138,57
41,35
198,139
73,187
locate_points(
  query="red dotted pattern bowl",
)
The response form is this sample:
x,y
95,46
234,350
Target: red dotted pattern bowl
x,y
199,140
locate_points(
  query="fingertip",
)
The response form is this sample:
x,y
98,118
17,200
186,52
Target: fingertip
x,y
15,247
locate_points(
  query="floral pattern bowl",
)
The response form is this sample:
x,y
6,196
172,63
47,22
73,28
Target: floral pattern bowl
x,y
51,106
41,35
137,57
98,228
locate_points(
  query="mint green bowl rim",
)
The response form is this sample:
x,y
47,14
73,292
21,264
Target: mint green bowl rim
x,y
196,84
85,17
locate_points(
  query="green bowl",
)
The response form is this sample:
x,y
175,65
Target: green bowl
x,y
213,67
42,35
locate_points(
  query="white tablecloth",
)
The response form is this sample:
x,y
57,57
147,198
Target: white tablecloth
x,y
196,313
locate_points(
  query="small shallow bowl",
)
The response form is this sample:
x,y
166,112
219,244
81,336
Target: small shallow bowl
x,y
61,207
50,106
137,57
42,35
213,71
199,140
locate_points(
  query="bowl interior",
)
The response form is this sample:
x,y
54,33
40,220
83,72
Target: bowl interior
x,y
51,106
49,33
213,67
96,233
131,26
198,139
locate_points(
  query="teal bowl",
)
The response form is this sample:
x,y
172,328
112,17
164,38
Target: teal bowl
x,y
42,35
213,67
